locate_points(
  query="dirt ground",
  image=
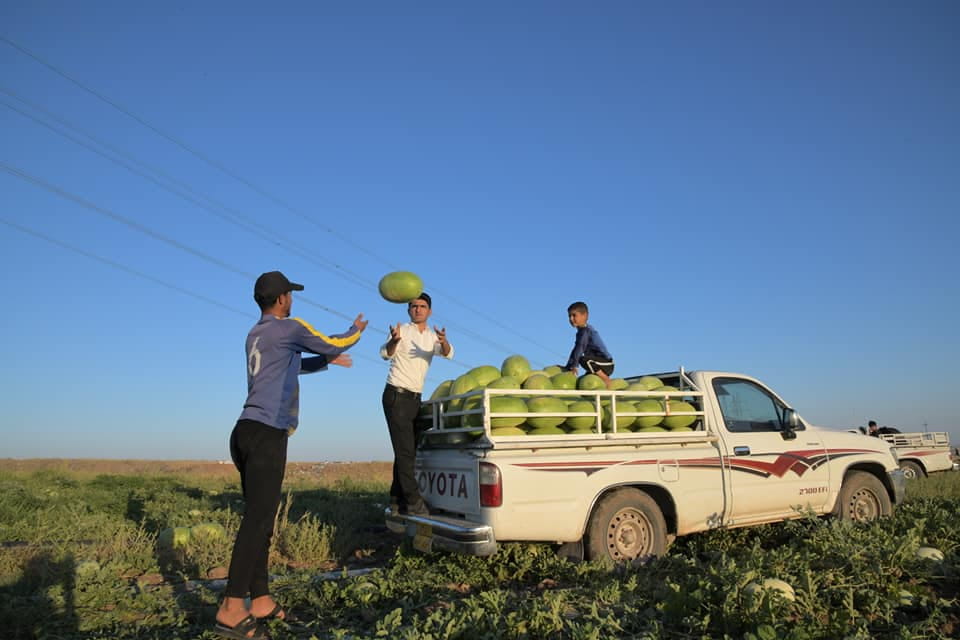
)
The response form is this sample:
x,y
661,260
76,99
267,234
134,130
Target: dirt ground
x,y
319,472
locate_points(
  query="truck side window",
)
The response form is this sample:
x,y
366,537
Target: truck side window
x,y
746,407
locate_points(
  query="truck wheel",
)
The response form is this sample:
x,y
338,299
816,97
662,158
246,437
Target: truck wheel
x,y
862,498
911,470
626,525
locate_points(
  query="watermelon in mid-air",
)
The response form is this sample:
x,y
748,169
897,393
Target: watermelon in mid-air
x,y
400,286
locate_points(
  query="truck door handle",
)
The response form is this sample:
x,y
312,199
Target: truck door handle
x,y
741,451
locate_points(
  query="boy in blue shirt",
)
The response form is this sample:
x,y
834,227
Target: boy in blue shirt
x,y
589,351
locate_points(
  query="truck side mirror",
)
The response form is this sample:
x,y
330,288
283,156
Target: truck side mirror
x,y
790,418
790,424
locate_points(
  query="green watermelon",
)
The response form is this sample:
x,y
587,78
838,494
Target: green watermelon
x,y
400,286
591,382
515,366
505,382
580,422
464,383
649,382
675,422
648,405
546,431
508,431
545,404
564,380
537,381
443,389
507,404
484,374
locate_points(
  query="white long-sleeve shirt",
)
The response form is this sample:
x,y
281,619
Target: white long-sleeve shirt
x,y
412,358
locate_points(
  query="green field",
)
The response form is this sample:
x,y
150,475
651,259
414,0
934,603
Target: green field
x,y
80,558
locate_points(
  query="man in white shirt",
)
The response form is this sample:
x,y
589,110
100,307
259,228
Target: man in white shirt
x,y
410,349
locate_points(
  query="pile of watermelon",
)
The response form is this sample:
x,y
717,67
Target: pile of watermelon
x,y
536,408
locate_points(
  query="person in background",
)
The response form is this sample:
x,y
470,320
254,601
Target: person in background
x,y
410,350
258,443
872,429
589,351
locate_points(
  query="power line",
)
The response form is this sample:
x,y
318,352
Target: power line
x,y
251,185
230,216
140,274
160,237
163,283
215,207
197,154
121,267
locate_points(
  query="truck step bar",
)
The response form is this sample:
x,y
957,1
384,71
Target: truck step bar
x,y
437,533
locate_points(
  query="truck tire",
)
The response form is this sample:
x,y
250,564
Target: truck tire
x,y
911,470
626,526
862,498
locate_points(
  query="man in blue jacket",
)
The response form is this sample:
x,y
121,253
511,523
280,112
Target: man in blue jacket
x,y
258,443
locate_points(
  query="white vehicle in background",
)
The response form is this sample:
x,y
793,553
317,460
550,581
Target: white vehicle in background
x,y
921,453
743,458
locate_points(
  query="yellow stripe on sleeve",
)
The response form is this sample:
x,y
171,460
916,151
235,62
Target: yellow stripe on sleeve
x,y
337,342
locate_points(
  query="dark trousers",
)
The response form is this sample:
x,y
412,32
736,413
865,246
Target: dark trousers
x,y
400,407
259,452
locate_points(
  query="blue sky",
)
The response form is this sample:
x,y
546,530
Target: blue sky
x,y
758,188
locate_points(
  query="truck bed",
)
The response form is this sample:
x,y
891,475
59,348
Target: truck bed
x,y
608,410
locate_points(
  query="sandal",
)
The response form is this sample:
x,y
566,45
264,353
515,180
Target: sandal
x,y
241,630
287,617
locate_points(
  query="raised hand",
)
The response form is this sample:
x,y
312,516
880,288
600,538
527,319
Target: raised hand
x,y
360,323
395,333
343,360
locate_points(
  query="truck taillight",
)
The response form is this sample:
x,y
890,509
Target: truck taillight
x,y
491,486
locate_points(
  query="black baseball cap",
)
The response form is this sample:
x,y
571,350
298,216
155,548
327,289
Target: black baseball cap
x,y
273,284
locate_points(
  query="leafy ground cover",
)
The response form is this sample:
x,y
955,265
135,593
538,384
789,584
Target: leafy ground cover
x,y
80,559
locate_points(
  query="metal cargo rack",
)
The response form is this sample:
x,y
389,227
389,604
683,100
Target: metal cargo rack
x,y
481,435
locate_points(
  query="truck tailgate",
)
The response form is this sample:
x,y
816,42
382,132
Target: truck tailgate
x,y
448,481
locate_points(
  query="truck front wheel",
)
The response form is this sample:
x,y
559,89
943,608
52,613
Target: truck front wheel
x,y
626,525
911,470
862,498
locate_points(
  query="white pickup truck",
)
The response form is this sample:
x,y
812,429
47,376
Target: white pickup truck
x,y
921,453
614,492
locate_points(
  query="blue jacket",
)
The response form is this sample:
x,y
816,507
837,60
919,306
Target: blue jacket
x,y
588,343
274,346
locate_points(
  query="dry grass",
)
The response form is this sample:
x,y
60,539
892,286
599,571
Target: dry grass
x,y
321,473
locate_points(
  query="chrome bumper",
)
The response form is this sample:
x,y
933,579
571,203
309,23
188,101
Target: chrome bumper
x,y
439,533
899,483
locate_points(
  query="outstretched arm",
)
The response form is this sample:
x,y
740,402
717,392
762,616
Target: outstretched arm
x,y
309,340
343,360
390,348
446,349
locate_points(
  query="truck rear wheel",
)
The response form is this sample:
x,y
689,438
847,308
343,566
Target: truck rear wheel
x,y
862,498
626,525
911,470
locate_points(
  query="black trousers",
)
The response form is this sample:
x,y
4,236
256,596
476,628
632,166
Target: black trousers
x,y
259,452
400,407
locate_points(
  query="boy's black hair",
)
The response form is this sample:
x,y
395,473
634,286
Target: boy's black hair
x,y
578,306
872,423
426,298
